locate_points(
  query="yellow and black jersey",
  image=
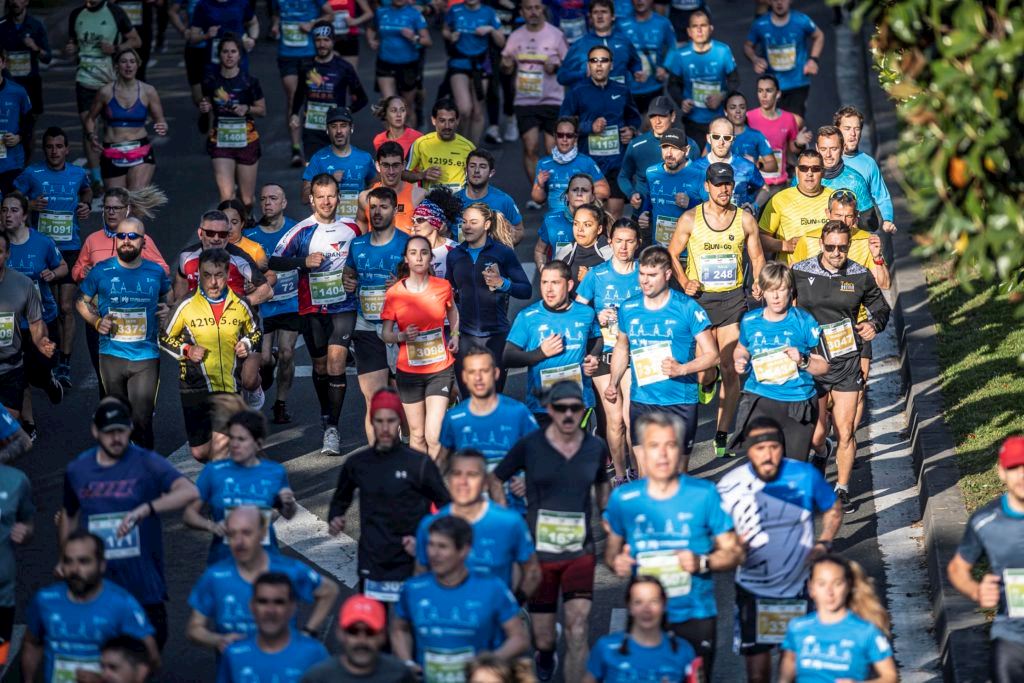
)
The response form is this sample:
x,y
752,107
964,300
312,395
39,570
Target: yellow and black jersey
x,y
791,213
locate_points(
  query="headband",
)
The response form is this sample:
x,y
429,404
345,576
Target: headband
x,y
432,213
323,31
773,436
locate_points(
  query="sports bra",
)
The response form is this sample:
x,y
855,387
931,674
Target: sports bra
x,y
133,117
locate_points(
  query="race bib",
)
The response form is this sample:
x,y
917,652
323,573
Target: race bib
x,y
125,147
287,286
560,532
7,328
573,29
292,35
839,339
385,591
232,132
427,349
105,526
130,324
718,270
316,115
348,205
773,617
777,153
60,227
446,666
529,83
664,228
19,63
604,144
326,288
774,367
549,377
703,90
133,10
268,518
341,21
664,565
371,301
94,63
3,147
1013,586
647,362
65,666
685,4
782,57
215,51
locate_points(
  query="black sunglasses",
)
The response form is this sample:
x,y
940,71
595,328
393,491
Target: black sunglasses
x,y
567,407
811,169
128,236
222,234
600,60
843,248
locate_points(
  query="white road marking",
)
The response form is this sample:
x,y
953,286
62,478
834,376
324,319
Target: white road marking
x,y
305,533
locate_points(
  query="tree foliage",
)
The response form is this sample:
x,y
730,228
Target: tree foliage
x,y
956,71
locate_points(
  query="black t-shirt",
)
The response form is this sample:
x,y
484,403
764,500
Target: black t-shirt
x,y
396,489
389,669
557,492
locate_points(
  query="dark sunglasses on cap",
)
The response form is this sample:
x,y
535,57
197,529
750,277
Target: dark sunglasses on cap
x,y
843,248
600,60
128,236
809,169
221,234
720,136
567,407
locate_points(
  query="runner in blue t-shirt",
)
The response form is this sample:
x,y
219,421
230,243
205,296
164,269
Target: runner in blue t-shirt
x,y
773,501
501,539
777,44
15,121
749,191
668,190
555,233
828,140
276,652
448,616
645,652
673,527
551,182
555,339
399,35
469,30
654,39
665,339
68,622
835,642
354,169
480,168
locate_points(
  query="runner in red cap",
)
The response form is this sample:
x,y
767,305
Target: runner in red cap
x,y
362,625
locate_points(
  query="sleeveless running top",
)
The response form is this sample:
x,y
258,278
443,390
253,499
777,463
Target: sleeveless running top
x,y
403,212
716,256
133,117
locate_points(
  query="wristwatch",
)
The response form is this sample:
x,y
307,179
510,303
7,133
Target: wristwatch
x,y
703,564
804,361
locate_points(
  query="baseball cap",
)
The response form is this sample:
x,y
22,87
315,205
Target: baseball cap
x,y
112,415
1011,453
674,137
360,609
339,114
562,391
719,174
662,105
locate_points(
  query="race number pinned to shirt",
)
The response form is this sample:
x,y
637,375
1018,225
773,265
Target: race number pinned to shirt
x,y
560,532
287,286
105,526
1013,586
604,144
774,366
664,565
782,57
529,83
446,666
549,377
57,225
316,115
647,362
427,349
348,206
341,21
326,288
292,35
130,324
371,301
702,90
65,667
232,132
385,591
19,63
664,228
718,270
7,329
773,617
839,339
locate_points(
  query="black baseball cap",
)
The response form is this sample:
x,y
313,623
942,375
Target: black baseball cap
x,y
674,137
662,105
335,114
720,174
112,415
563,391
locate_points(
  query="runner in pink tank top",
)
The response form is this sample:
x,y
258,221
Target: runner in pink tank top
x,y
783,129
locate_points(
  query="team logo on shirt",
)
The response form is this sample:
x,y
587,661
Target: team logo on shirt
x,y
846,287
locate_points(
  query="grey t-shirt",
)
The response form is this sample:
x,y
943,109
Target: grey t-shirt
x,y
997,532
15,506
389,669
19,302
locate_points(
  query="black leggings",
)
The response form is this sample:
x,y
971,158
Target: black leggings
x,y
136,381
702,634
797,419
1007,661
501,86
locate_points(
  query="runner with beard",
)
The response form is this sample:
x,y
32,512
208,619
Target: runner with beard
x,y
667,190
396,487
439,158
352,168
390,166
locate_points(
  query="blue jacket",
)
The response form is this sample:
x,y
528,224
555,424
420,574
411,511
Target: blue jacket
x,y
589,102
625,58
865,165
483,312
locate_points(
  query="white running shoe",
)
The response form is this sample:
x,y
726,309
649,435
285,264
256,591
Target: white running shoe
x,y
255,399
332,442
511,129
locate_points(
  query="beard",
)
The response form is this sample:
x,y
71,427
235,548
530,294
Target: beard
x,y
128,253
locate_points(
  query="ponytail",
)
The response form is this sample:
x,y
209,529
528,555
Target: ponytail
x,y
141,202
861,598
498,226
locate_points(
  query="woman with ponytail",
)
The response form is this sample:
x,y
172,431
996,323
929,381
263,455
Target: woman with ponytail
x,y
646,651
433,219
589,248
847,636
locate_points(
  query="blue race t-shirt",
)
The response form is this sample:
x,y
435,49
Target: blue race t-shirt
x,y
374,265
642,664
784,47
501,540
245,662
558,181
466,21
293,42
656,530
32,257
14,105
576,325
703,74
358,170
102,496
390,22
670,331
556,232
849,179
58,220
498,200
131,296
285,299
772,374
659,198
222,595
230,15
826,652
224,485
604,287
751,144
452,624
654,39
73,632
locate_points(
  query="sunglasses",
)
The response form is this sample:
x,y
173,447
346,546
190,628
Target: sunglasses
x,y
809,169
127,236
114,208
844,195
567,407
600,60
361,631
220,234
719,136
843,248
565,136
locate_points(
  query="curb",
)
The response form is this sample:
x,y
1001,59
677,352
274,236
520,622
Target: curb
x,y
960,629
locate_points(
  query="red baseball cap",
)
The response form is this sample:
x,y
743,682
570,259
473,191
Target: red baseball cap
x,y
361,609
386,400
1011,454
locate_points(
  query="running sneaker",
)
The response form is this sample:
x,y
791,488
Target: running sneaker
x,y
534,206
511,129
493,135
297,160
54,389
619,481
332,442
63,374
844,498
30,429
706,393
255,399
722,447
281,414
545,673
632,474
820,463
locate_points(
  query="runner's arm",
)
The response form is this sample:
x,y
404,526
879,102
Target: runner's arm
x,y
31,657
728,552
529,576
677,245
300,96
787,667
613,545
181,493
323,602
194,517
601,492
401,638
357,94
516,357
754,251
198,631
516,641
876,304
960,573
39,333
886,670
86,307
832,518
620,360
343,493
98,103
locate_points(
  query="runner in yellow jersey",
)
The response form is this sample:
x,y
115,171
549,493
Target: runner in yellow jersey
x,y
794,212
715,233
439,158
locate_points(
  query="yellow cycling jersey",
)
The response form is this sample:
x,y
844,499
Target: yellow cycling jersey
x,y
430,150
792,214
194,322
715,257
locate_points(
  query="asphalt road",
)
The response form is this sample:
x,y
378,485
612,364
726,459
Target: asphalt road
x,y
184,173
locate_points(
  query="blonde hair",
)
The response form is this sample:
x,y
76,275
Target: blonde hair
x,y
141,202
775,275
497,225
861,598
